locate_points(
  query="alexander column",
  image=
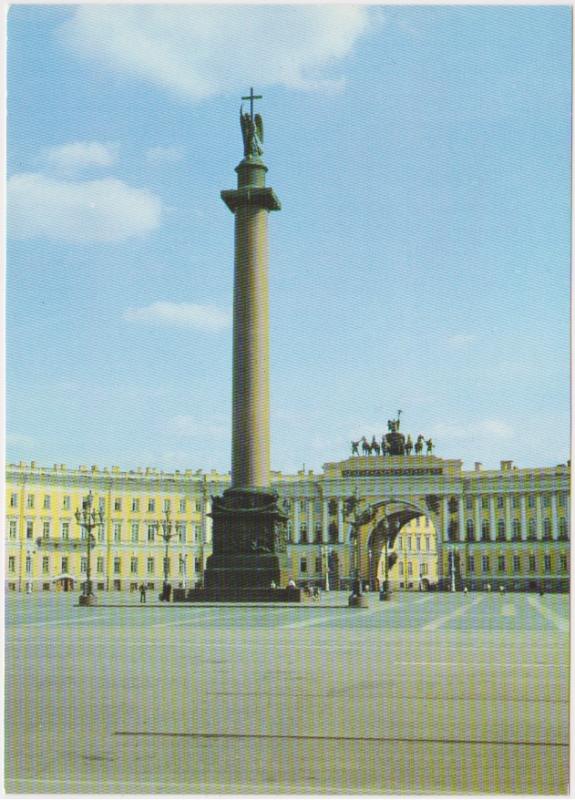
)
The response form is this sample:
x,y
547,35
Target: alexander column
x,y
249,542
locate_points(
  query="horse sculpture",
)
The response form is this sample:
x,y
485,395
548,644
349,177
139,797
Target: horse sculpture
x,y
355,448
419,445
365,446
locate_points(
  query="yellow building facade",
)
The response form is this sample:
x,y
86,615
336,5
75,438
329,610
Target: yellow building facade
x,y
433,524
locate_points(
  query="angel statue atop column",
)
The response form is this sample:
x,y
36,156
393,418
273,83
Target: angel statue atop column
x,y
253,133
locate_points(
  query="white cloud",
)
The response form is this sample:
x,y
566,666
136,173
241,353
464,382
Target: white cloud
x,y
181,315
75,156
200,51
106,210
19,440
162,155
186,425
497,428
460,340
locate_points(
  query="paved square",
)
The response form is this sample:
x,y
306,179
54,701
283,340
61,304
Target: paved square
x,y
430,693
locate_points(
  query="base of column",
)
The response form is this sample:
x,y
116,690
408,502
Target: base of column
x,y
249,541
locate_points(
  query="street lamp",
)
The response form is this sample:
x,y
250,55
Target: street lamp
x,y
452,566
88,518
357,599
325,564
166,534
183,568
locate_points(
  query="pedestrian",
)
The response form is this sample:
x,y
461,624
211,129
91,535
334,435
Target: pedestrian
x,y
291,584
465,590
488,587
273,585
541,592
142,593
502,589
28,588
168,592
316,592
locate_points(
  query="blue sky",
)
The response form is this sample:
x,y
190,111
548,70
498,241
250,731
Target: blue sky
x,y
420,261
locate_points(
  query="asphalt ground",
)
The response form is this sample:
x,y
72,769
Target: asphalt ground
x,y
433,693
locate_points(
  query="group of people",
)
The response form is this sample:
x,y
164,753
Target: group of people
x,y
383,448
164,596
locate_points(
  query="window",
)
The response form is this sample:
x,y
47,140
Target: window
x,y
500,529
46,529
470,529
28,565
135,531
470,564
117,504
197,565
117,586
401,568
100,533
547,528
418,543
409,568
303,565
516,529
29,529
133,566
66,502
547,562
100,564
485,530
30,501
561,499
83,564
65,530
167,505
501,563
11,564
150,566
546,501
516,564
427,543
151,532
197,533
117,566
135,504
500,501
303,535
117,531
318,564
469,502
423,569
409,544
563,562
532,529
484,502
64,563
532,563
514,501
562,526
181,532
182,505
181,564
47,501
13,500
485,563
531,501
13,528
151,505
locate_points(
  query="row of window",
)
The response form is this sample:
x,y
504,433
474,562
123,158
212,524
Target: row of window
x,y
63,563
515,502
405,542
152,531
516,563
117,504
516,528
423,568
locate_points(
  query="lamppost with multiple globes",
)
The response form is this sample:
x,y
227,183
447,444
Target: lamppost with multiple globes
x,y
166,534
88,519
357,598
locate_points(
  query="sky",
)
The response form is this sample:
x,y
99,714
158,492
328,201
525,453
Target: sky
x,y
421,259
